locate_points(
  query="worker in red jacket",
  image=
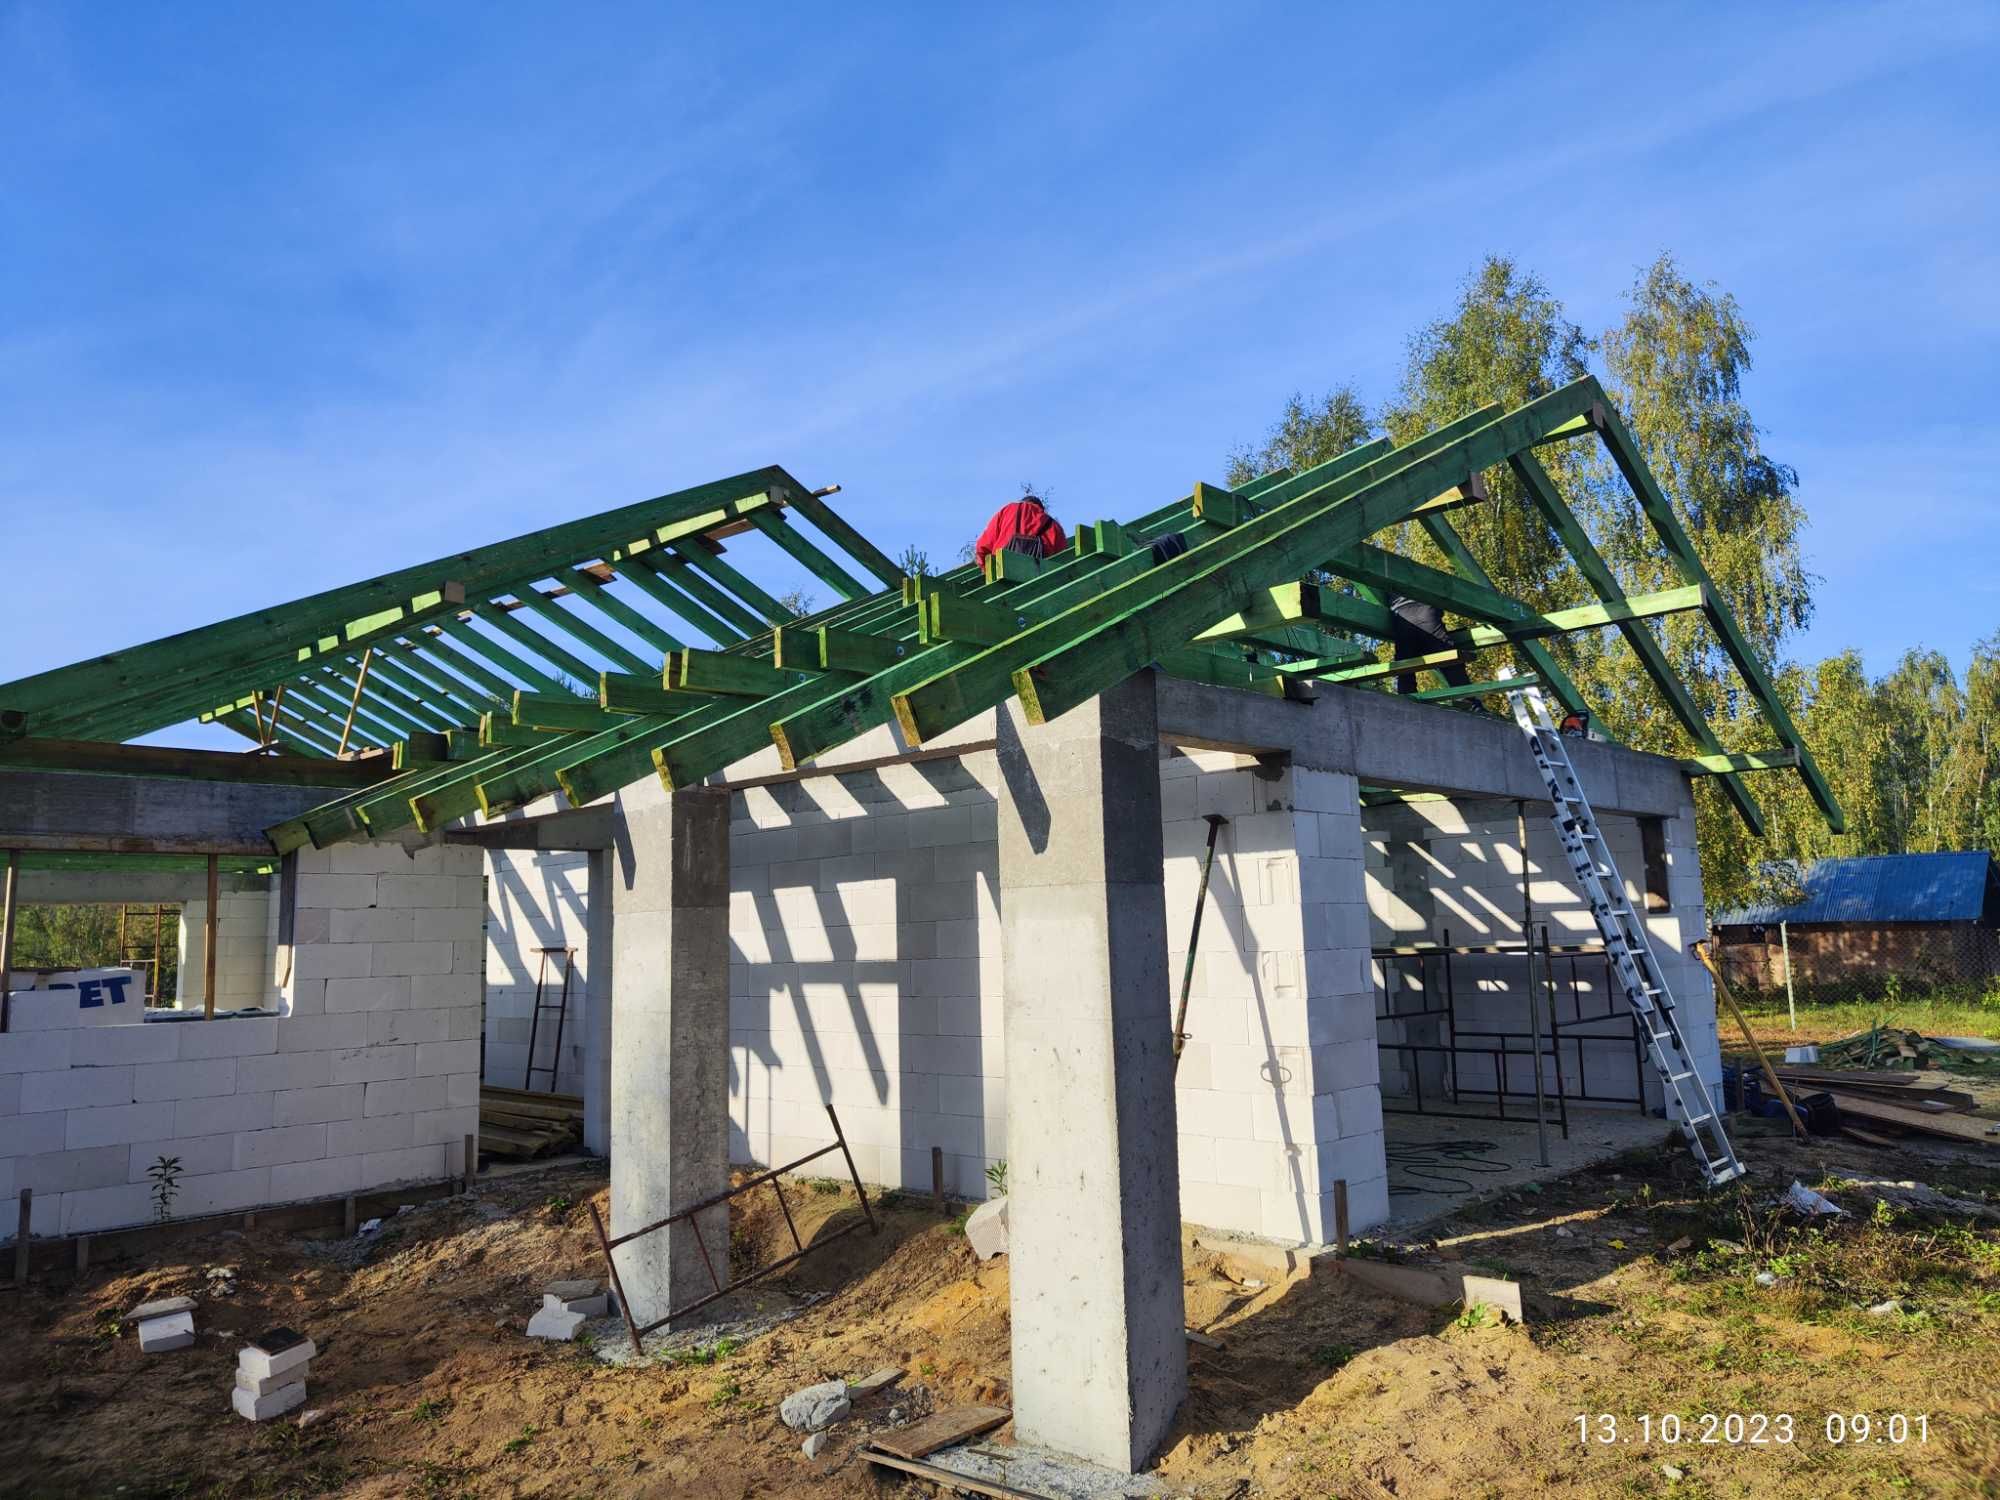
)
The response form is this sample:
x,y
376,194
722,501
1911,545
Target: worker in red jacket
x,y
1024,526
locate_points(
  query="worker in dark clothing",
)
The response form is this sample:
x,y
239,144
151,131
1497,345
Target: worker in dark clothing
x,y
1023,526
1417,629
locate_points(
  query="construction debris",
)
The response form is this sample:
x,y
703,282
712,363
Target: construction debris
x,y
815,1441
940,1429
582,1296
1894,1047
555,1321
1802,1199
816,1406
986,1228
874,1380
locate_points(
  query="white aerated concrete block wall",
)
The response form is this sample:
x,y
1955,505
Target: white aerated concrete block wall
x,y
245,934
535,901
1445,872
1277,1089
865,971
370,1078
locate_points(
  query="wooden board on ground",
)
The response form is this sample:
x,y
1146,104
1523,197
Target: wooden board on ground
x,y
1954,1127
950,1480
941,1429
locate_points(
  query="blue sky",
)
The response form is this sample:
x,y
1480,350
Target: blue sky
x,y
293,294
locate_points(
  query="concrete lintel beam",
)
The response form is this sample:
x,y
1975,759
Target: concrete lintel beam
x,y
57,810
583,828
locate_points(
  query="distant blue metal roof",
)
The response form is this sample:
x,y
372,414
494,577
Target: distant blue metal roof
x,y
1883,888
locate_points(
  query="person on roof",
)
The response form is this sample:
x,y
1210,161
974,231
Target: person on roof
x,y
1417,629
1023,526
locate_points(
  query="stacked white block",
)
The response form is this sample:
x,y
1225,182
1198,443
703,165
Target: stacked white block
x,y
566,1307
271,1374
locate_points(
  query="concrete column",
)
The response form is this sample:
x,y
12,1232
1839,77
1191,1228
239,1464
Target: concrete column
x,y
1100,1357
597,1004
668,891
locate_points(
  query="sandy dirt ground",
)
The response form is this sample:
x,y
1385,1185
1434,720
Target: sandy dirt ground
x,y
426,1385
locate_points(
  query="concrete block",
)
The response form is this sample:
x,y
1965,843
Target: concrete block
x,y
422,890
370,1064
446,1057
408,1026
412,958
160,1308
222,1192
72,1171
204,1078
289,1143
595,1305
437,991
555,1323
159,1335
92,1209
446,1126
284,1070
231,1112
343,892
248,1036
447,924
278,1352
403,1096
114,1125
75,1088
263,1408
198,1155
332,960
347,995
365,1136
371,925
316,1106
37,1051
986,1229
293,1182
111,1046
416,1164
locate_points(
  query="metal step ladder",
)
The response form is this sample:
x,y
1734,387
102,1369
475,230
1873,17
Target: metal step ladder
x,y
1632,962
560,1007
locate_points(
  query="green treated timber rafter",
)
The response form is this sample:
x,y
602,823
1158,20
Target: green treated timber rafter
x,y
260,645
1666,525
1786,759
1542,492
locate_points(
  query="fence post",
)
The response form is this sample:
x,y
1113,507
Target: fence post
x,y
1785,942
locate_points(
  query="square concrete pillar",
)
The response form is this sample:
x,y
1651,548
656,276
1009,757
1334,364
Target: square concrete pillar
x,y
1100,1355
668,893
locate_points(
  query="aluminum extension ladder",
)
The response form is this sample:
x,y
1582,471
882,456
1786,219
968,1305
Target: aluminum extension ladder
x,y
1632,961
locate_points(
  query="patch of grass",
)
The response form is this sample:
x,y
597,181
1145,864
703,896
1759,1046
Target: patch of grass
x,y
957,1225
440,1480
1478,1315
726,1394
430,1409
517,1444
826,1187
558,1203
705,1354
1333,1356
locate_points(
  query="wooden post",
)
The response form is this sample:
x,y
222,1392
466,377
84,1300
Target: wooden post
x,y
937,1177
21,1237
7,896
209,928
471,1162
82,1253
1791,1005
1340,1216
348,1218
1534,1006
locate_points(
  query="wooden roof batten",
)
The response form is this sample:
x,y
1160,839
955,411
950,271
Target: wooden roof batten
x,y
498,676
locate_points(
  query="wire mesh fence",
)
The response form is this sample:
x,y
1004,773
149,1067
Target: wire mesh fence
x,y
1832,972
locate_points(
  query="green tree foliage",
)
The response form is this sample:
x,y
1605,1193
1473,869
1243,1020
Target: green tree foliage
x,y
66,937
1914,757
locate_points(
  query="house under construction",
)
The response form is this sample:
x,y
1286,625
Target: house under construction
x,y
590,810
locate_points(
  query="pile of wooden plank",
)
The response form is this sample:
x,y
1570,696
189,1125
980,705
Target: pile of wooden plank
x,y
1895,1099
524,1123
